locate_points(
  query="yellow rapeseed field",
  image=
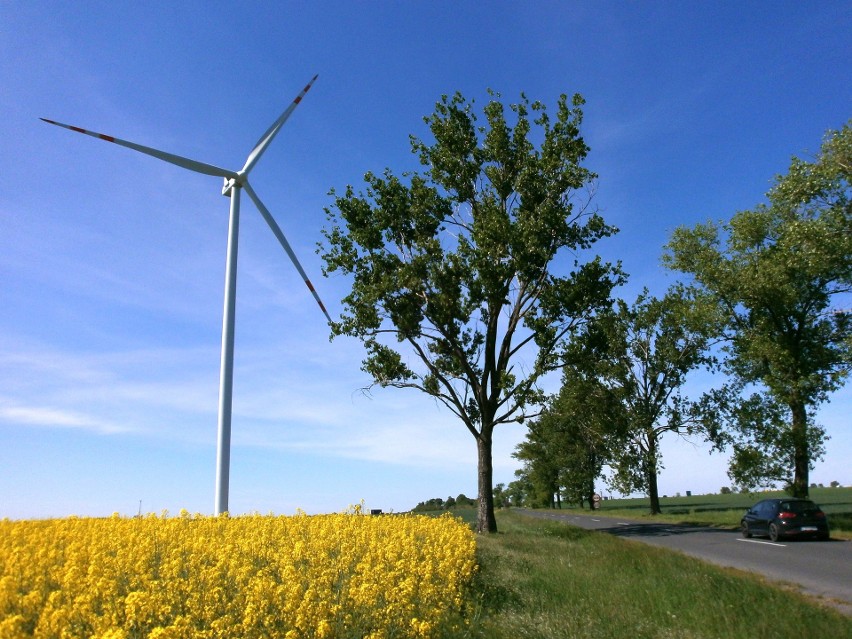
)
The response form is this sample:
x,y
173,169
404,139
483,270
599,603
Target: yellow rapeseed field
x,y
158,577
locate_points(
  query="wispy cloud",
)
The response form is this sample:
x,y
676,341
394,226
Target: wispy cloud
x,y
109,393
43,416
309,407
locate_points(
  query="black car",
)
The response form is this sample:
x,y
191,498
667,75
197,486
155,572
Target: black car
x,y
780,518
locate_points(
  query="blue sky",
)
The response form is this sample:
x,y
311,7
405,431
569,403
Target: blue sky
x,y
112,263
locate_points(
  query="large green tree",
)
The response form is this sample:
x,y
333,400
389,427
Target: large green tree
x,y
777,270
641,356
466,280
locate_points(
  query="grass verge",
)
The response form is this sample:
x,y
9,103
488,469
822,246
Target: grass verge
x,y
546,580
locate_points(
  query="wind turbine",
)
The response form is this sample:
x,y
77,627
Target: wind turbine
x,y
234,182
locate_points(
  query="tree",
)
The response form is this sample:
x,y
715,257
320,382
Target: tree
x,y
540,467
501,496
776,270
464,500
453,268
430,505
567,446
517,491
641,356
764,449
583,414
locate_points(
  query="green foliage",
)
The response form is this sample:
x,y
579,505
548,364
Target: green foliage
x,y
775,270
621,392
519,492
565,449
763,446
451,267
502,498
439,504
625,375
436,503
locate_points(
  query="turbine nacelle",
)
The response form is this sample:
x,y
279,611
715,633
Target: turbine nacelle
x,y
231,182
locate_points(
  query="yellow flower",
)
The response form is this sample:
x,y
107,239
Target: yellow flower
x,y
254,576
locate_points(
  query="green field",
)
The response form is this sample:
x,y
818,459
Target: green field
x,y
727,510
545,580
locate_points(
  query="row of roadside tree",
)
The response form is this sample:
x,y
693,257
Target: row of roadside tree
x,y
472,280
758,308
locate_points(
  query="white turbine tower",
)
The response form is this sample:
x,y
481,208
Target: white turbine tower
x,y
234,181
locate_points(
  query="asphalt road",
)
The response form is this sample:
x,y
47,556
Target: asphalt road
x,y
820,568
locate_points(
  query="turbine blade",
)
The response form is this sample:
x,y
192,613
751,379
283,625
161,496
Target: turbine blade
x,y
186,163
285,244
272,131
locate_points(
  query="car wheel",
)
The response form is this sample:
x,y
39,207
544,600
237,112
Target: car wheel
x,y
773,532
745,531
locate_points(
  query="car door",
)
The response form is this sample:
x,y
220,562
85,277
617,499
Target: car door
x,y
769,514
762,515
752,519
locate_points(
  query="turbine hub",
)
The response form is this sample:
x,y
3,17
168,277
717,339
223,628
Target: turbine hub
x,y
230,183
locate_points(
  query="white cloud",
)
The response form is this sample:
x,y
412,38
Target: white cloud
x,y
172,394
42,416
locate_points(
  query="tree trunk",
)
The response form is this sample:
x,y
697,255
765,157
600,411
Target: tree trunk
x,y
651,466
801,452
653,492
485,521
590,494
590,487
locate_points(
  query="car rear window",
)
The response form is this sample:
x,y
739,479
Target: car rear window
x,y
798,506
